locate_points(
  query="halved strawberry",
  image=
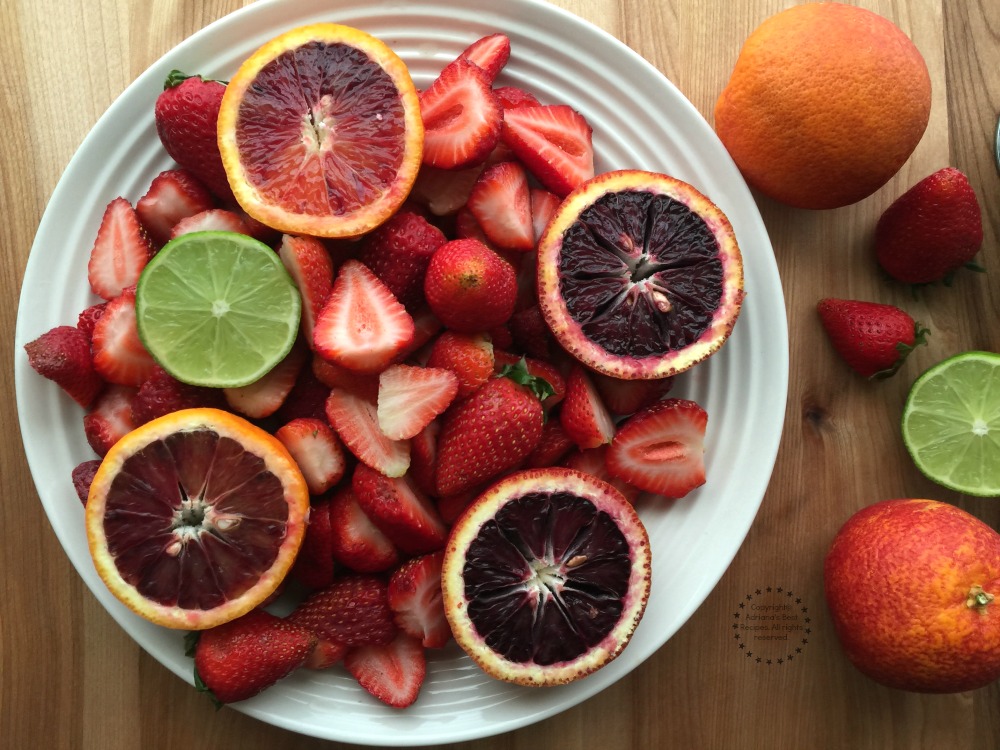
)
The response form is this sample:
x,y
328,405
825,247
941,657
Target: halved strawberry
x,y
362,326
594,461
358,544
119,356
110,418
120,252
400,510
490,53
265,396
462,117
444,191
398,252
355,418
554,142
661,449
333,375
62,354
311,268
543,205
625,397
353,610
88,318
83,476
423,457
174,194
468,355
513,97
415,599
392,673
314,565
501,202
410,397
210,220
583,414
317,451
325,654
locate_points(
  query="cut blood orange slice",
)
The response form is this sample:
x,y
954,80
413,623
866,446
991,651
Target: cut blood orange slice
x,y
320,132
194,518
546,576
639,275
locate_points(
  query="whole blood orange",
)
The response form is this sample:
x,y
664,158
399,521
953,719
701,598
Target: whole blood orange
x,y
824,105
639,275
545,576
910,585
194,518
320,132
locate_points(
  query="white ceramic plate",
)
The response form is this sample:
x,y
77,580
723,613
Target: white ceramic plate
x,y
640,120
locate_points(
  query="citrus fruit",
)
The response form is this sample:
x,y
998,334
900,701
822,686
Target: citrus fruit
x,y
217,309
320,132
194,518
545,576
639,275
951,423
824,105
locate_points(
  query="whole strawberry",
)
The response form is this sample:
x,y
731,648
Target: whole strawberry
x,y
239,659
187,112
469,287
492,431
932,230
874,339
62,355
398,253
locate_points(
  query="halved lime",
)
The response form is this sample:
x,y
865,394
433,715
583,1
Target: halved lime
x,y
217,309
951,423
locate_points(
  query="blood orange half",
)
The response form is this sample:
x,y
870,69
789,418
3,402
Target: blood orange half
x,y
320,132
545,576
194,518
639,275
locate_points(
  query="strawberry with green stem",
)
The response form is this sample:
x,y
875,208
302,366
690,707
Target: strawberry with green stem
x,y
873,338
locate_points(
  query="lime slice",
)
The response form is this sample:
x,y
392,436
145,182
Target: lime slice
x,y
217,309
951,423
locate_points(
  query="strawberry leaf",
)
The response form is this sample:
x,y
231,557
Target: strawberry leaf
x,y
518,372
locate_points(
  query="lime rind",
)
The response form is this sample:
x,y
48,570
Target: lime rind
x,y
951,423
217,309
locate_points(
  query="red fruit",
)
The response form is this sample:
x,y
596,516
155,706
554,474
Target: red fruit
x,y
490,53
543,206
624,397
415,599
399,510
88,318
930,231
173,195
161,394
469,287
554,142
468,355
531,334
423,457
325,654
62,354
512,97
119,356
410,397
109,418
362,326
552,448
661,449
353,610
594,461
398,253
122,249
306,399
501,203
462,117
355,418
537,368
239,659
83,476
314,565
358,544
211,220
187,113
452,506
311,268
333,375
444,191
265,396
392,673
490,432
316,450
583,414
874,339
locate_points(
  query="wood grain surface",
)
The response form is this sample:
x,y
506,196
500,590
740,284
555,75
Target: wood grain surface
x,y
71,678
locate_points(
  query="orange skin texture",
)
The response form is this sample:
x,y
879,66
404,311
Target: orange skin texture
x,y
898,577
825,104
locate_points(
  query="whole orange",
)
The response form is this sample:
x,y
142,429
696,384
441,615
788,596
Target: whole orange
x,y
825,104
910,585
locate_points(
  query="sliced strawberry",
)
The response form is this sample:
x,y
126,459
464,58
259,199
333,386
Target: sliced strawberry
x,y
490,53
415,599
583,414
362,326
325,654
62,354
513,97
265,396
552,448
398,252
162,394
462,117
211,220
353,610
543,206
357,542
83,476
400,510
410,397
467,227
468,355
625,397
311,268
333,375
317,450
423,457
501,202
554,142
594,461
392,673
120,252
426,327
314,564
355,418
88,318
173,195
444,191
119,356
110,418
661,449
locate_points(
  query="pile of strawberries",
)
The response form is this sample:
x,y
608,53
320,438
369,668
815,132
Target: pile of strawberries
x,y
424,372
